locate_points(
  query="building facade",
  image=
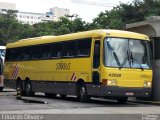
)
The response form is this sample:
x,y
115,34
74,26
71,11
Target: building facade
x,y
59,12
29,18
32,18
7,6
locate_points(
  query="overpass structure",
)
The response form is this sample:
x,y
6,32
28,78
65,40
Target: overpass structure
x,y
151,27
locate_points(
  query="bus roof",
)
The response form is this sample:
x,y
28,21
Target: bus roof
x,y
86,34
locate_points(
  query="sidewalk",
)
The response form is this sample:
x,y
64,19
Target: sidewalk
x,y
151,102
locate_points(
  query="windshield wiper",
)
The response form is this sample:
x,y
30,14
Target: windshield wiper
x,y
116,58
135,60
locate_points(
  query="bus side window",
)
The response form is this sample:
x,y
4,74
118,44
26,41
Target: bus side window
x,y
16,54
69,49
35,52
83,47
25,53
8,54
56,50
96,58
45,51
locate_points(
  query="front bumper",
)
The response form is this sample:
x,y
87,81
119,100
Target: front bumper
x,y
114,91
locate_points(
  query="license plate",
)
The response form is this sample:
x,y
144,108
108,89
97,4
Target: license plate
x,y
129,93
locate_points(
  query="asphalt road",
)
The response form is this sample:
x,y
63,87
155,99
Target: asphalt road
x,y
70,108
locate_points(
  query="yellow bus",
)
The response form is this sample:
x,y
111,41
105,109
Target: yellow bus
x,y
98,63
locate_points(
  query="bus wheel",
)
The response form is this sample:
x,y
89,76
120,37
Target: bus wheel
x,y
28,88
50,95
122,100
19,86
83,96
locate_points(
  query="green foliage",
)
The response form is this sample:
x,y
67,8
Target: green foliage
x,y
12,30
123,14
9,13
61,27
152,7
41,29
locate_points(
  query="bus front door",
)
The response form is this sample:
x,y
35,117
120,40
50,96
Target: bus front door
x,y
96,69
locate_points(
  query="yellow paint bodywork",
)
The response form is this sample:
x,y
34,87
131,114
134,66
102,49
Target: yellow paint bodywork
x,y
46,70
87,34
127,77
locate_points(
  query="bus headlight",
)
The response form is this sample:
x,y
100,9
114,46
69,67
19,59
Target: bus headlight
x,y
147,84
112,82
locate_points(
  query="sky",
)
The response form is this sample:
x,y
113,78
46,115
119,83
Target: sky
x,y
86,11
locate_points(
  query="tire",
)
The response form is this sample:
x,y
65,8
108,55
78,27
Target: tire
x,y
82,94
50,95
122,100
19,86
1,88
28,88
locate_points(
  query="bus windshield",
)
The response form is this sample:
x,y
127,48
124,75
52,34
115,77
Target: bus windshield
x,y
129,53
2,52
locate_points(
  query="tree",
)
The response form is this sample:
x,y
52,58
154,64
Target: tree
x,y
123,14
9,13
12,30
60,27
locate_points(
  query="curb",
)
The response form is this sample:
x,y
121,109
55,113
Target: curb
x,y
146,102
32,100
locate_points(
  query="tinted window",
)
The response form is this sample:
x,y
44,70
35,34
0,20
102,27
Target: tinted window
x,y
8,54
83,47
72,49
35,52
45,51
24,55
13,54
69,49
56,50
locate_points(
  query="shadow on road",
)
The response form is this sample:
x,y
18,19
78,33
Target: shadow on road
x,y
94,101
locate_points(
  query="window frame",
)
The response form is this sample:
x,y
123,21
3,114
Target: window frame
x,y
22,48
150,67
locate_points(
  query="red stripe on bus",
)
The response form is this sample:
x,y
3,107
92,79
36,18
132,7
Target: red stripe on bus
x,y
72,76
15,72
